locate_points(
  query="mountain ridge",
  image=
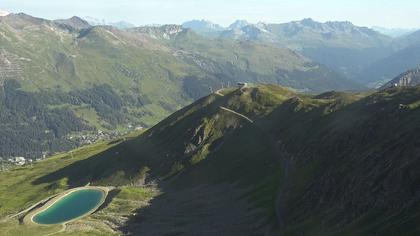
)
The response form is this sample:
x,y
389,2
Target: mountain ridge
x,y
203,27
74,22
118,24
409,78
327,43
108,77
351,176
393,32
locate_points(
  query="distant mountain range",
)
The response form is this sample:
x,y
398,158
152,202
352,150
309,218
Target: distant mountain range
x,y
364,55
77,77
360,53
67,76
203,27
408,40
405,56
119,24
342,46
393,32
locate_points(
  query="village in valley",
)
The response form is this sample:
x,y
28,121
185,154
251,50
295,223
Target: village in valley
x,y
81,139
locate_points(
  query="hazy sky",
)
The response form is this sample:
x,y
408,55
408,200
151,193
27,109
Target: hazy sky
x,y
388,13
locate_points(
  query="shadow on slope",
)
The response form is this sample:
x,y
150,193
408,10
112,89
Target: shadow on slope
x,y
232,190
216,170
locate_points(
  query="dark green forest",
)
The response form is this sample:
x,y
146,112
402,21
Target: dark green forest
x,y
35,122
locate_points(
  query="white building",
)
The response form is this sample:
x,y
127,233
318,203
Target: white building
x,y
19,161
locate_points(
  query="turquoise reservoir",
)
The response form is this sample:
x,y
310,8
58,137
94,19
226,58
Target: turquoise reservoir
x,y
73,205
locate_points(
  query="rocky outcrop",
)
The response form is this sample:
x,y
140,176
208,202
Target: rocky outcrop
x,y
160,32
409,78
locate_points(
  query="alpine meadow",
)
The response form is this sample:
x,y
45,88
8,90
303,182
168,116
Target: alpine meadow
x,y
149,118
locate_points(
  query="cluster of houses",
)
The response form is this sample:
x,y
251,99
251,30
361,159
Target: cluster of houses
x,y
82,139
91,138
20,161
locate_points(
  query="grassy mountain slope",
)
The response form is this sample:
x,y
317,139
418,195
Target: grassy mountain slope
x,y
263,160
107,78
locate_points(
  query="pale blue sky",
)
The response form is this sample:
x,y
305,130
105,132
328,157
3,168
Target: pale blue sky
x,y
388,13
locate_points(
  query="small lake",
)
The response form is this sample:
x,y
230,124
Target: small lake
x,y
71,206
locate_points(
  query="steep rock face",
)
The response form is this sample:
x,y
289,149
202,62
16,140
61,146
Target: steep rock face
x,y
161,32
409,78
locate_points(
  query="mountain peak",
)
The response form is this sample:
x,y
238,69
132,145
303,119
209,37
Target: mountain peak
x,y
119,24
239,24
307,21
22,19
74,22
310,23
340,24
202,26
122,24
77,19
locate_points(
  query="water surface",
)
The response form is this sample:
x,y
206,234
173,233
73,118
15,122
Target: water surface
x,y
73,205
